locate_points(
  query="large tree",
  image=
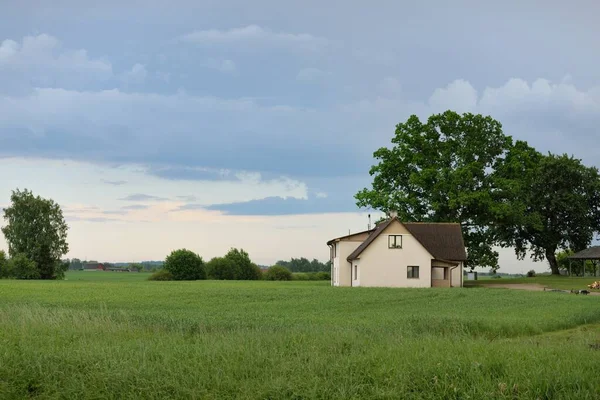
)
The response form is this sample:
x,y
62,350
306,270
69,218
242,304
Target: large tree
x,y
554,204
35,228
441,171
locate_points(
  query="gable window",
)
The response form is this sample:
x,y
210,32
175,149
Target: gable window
x,y
412,272
395,241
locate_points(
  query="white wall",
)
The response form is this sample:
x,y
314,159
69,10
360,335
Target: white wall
x,y
382,266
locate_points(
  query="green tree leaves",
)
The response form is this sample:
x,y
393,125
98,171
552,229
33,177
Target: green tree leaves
x,y
462,168
36,229
440,171
185,265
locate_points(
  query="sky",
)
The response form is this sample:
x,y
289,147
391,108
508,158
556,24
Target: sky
x,y
216,124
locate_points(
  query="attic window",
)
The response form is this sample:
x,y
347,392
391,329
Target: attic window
x,y
395,241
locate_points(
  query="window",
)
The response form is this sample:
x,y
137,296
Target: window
x,y
412,273
355,272
395,241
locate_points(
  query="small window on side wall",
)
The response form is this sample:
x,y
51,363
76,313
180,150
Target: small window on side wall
x,y
412,272
395,241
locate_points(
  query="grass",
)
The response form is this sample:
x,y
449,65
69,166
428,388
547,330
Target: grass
x,y
553,282
128,338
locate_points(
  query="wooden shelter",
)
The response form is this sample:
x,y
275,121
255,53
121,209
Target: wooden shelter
x,y
592,254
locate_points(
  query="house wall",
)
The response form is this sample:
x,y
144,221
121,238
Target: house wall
x,y
341,266
457,276
382,266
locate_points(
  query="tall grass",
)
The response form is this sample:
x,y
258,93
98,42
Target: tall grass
x,y
156,340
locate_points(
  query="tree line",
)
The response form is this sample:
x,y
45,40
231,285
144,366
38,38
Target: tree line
x,y
464,168
304,265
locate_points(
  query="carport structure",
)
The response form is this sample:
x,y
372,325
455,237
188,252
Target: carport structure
x,y
592,254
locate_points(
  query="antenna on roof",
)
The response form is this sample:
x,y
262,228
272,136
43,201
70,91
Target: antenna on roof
x,y
369,226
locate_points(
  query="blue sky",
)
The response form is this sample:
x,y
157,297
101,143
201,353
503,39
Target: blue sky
x,y
215,124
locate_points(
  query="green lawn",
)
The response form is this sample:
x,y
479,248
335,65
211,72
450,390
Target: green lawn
x,y
553,282
122,339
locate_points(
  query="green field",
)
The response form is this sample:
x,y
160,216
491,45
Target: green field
x,y
118,336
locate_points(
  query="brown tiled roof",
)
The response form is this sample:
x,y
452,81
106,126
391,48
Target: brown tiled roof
x,y
592,253
444,241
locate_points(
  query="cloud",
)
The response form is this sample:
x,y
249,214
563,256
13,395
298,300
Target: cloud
x,y
142,197
136,207
115,212
311,74
92,219
136,75
114,183
321,195
41,61
279,206
253,34
188,137
226,66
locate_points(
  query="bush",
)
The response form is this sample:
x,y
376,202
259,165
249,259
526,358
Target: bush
x,y
531,273
185,265
278,273
23,268
243,267
311,276
323,276
161,275
220,268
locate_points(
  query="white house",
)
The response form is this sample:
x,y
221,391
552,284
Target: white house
x,y
400,254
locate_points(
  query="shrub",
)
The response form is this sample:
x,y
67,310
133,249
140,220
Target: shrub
x,y
531,273
185,265
278,273
220,268
243,267
161,275
23,268
323,276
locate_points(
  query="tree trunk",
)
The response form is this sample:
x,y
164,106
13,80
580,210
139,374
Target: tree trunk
x,y
551,257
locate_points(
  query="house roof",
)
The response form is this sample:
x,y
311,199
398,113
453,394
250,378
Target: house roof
x,y
592,253
350,235
444,241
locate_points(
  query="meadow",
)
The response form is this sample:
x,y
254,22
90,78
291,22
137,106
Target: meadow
x,y
117,336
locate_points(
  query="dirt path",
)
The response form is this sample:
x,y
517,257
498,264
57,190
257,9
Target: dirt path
x,y
523,286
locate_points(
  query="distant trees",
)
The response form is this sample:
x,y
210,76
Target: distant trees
x,y
136,267
220,268
278,273
185,265
463,168
243,268
75,263
35,231
304,265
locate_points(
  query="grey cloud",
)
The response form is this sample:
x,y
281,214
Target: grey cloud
x,y
114,183
142,197
191,207
115,212
135,207
254,34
